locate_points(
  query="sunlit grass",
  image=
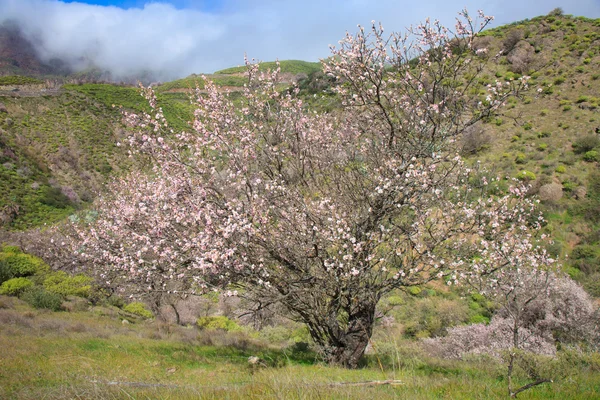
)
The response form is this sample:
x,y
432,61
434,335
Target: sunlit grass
x,y
93,355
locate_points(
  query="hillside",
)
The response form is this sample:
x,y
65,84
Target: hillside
x,y
18,55
550,137
58,147
68,337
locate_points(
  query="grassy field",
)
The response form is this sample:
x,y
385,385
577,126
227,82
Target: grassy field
x,y
91,354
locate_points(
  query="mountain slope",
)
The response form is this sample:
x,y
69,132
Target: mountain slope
x,y
57,150
18,55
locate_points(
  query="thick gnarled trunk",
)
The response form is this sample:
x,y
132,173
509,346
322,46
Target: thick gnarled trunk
x,y
345,344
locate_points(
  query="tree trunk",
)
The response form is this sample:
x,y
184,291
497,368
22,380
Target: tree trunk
x,y
348,347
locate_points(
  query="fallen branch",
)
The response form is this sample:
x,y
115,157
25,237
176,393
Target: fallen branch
x,y
391,382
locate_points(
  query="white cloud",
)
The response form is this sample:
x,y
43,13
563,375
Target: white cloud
x,y
177,42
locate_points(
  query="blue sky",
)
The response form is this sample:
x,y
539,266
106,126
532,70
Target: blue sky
x,y
178,37
205,5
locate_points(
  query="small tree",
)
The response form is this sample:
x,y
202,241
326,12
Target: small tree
x,y
320,213
536,306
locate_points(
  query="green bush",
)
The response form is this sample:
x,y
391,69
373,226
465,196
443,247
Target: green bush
x,y
584,251
16,264
544,134
11,249
38,297
591,156
582,99
561,169
520,158
63,284
138,308
115,301
15,286
218,323
526,176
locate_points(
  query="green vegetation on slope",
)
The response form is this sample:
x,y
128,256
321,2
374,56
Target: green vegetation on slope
x,y
550,136
56,151
193,81
19,80
286,66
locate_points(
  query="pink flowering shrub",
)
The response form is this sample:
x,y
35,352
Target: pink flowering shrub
x,y
538,310
565,314
319,214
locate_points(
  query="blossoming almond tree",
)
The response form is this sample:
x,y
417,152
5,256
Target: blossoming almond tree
x,y
321,214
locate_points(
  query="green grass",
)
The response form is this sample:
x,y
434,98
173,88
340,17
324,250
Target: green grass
x,y
126,96
93,355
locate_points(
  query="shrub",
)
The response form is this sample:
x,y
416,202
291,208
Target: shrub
x,y
11,249
138,308
591,156
16,264
582,99
475,139
565,315
583,251
15,286
218,323
561,169
65,285
526,176
115,301
551,192
585,143
512,38
544,134
520,159
38,297
414,290
432,316
557,12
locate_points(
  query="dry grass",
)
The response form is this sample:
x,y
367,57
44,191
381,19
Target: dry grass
x,y
92,355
